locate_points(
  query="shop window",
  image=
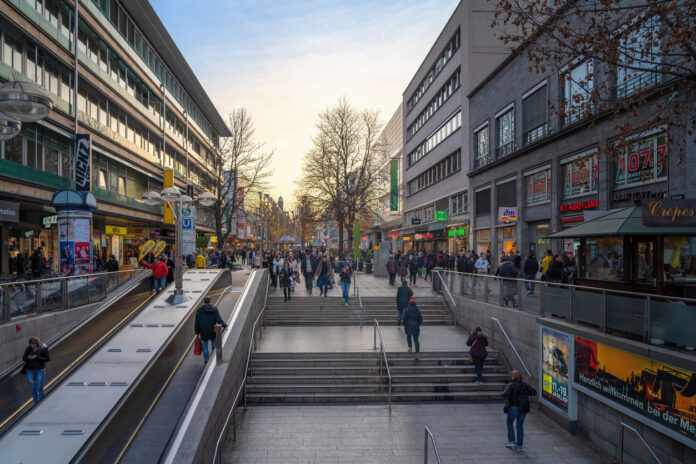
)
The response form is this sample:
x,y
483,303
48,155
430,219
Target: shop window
x,y
645,272
538,187
645,160
102,179
580,174
507,239
506,194
680,258
483,202
483,241
603,259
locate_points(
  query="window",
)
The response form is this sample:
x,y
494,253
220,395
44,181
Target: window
x,y
505,124
638,48
436,173
13,150
680,258
576,84
440,98
102,179
603,259
483,201
481,147
121,185
534,115
428,214
645,160
580,174
538,186
447,129
506,194
458,203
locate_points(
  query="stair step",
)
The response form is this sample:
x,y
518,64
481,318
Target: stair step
x,y
372,397
365,354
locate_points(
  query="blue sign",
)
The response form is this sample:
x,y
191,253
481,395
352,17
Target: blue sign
x,y
187,223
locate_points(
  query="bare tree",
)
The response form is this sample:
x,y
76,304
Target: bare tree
x,y
342,168
639,51
239,162
306,216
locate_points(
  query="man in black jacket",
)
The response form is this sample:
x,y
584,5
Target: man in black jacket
x,y
531,267
206,317
309,268
508,271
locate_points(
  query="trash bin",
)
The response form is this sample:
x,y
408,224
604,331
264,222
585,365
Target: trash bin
x,y
368,267
437,281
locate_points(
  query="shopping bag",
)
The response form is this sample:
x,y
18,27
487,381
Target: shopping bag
x,y
198,348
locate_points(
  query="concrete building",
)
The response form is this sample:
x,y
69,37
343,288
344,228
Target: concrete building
x,y
130,70
436,128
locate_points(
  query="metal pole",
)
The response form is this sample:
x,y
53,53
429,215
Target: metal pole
x,y
178,296
187,148
75,77
164,123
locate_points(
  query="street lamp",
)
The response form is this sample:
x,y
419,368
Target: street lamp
x,y
24,102
176,201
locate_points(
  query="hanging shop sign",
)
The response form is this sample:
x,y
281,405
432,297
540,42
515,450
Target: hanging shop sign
x,y
641,195
555,366
48,221
659,393
457,232
9,211
115,230
507,214
440,214
578,206
363,238
82,154
669,212
28,233
425,236
407,238
415,221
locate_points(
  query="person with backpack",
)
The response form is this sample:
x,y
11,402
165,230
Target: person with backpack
x,y
412,322
478,342
517,394
206,317
36,264
35,358
403,295
392,269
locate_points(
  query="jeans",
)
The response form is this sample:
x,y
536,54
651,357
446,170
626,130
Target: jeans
x,y
274,279
160,283
412,280
415,341
323,284
392,278
529,286
429,272
400,316
206,355
514,413
478,367
308,279
345,290
509,289
36,383
286,292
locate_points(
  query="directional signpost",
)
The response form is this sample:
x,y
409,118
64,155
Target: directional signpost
x,y
188,223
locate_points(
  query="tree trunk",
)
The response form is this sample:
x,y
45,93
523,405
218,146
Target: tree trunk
x,y
340,238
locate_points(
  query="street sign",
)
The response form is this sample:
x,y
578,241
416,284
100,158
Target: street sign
x,y
187,224
441,215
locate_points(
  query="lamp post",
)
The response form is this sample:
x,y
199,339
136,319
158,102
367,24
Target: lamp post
x,y
21,102
177,202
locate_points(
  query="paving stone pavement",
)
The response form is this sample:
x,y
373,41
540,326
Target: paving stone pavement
x,y
369,284
465,433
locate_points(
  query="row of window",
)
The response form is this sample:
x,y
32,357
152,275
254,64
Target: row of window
x,y
440,98
441,170
439,64
434,139
41,149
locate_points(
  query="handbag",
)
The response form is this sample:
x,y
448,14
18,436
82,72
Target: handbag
x,y
198,347
471,358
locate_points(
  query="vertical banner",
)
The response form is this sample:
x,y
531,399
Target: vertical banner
x,y
240,207
188,240
394,185
168,182
82,156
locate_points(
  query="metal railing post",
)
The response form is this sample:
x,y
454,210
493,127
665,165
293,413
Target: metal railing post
x,y
218,343
6,303
570,305
425,447
646,321
374,337
39,302
501,292
485,288
64,291
542,300
603,313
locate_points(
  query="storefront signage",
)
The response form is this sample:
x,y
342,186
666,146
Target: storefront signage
x,y
9,211
578,206
82,162
363,238
28,233
669,212
48,221
507,213
456,233
394,235
555,362
660,393
415,221
407,238
115,230
642,195
440,215
426,236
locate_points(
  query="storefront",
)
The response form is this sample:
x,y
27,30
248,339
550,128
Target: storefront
x,y
539,240
25,228
483,241
506,230
458,238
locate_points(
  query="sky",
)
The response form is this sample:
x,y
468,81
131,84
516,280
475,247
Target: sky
x,y
287,61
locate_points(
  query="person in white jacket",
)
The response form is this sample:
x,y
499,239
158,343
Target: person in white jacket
x,y
277,266
482,265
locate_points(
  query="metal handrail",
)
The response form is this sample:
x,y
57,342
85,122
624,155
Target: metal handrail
x,y
454,304
217,455
81,276
512,346
357,290
377,331
640,437
429,434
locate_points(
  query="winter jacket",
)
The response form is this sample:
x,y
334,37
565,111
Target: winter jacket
x,y
482,266
402,296
159,269
37,363
554,273
170,270
323,269
277,265
111,265
478,349
507,270
412,320
461,260
403,267
531,266
545,263
312,262
518,393
285,275
392,266
413,266
206,317
190,261
346,275
441,260
200,262
469,265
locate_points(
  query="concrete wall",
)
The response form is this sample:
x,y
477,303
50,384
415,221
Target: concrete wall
x,y
597,421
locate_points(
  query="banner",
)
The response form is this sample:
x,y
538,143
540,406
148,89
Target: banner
x,y
168,182
394,185
145,249
669,213
75,246
664,394
159,248
240,207
555,357
82,154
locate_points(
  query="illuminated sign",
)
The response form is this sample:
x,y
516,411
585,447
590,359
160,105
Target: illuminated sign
x,y
555,367
578,206
507,213
456,233
440,215
48,221
116,230
394,234
669,213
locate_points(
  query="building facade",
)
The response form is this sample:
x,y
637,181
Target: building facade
x,y
436,129
139,101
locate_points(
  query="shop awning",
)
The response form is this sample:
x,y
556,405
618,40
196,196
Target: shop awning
x,y
436,226
627,221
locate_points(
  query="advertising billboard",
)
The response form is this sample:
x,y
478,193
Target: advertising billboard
x,y
555,365
664,394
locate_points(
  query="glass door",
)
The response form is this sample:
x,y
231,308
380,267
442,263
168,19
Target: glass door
x,y
644,261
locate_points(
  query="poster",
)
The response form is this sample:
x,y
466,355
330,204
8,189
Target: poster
x,y
662,393
67,257
555,358
82,257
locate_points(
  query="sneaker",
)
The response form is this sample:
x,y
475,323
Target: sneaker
x,y
417,356
511,445
518,449
409,349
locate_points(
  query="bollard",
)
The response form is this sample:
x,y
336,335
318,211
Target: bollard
x,y
218,344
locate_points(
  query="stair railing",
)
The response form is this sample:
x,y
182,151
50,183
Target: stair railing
x,y
640,437
449,294
512,346
383,357
248,368
429,437
357,291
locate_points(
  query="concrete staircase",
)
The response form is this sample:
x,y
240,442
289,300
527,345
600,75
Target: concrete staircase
x,y
331,311
355,377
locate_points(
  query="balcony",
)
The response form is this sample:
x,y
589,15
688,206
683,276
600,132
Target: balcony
x,y
481,160
535,134
641,82
504,150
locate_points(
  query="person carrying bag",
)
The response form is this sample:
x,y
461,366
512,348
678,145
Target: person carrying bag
x,y
517,406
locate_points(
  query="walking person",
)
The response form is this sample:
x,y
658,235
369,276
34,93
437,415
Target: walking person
x,y
170,268
412,322
555,270
285,277
477,352
200,261
322,275
392,269
206,318
531,267
35,358
517,394
346,275
429,265
403,268
159,273
412,269
278,263
508,272
295,269
403,295
309,267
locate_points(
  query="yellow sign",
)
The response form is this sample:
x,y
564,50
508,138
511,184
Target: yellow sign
x,y
168,182
159,248
116,230
146,248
